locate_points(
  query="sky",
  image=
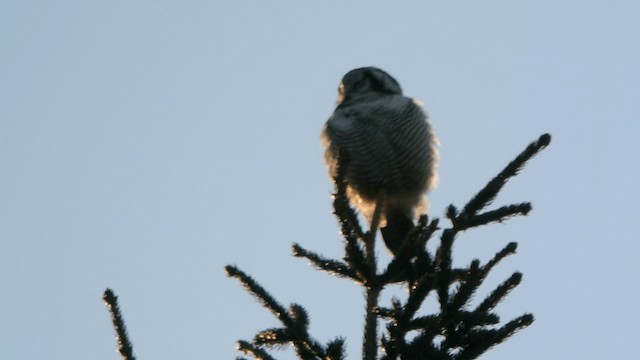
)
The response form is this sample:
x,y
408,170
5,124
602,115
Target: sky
x,y
144,145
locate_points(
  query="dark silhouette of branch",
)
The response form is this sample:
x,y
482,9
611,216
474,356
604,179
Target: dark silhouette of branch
x,y
255,351
295,322
490,191
334,267
456,331
372,287
124,345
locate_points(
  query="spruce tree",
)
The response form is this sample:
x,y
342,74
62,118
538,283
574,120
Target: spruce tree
x,y
456,331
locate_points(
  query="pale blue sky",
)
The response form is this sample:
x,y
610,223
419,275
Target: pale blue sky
x,y
146,144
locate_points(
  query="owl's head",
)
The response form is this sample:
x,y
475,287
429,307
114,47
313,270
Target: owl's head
x,y
366,81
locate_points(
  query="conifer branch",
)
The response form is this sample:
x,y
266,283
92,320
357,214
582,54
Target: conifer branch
x,y
418,293
468,287
355,257
335,349
295,321
514,325
125,348
498,215
506,251
412,249
490,191
255,351
331,266
373,288
455,332
260,294
443,266
500,292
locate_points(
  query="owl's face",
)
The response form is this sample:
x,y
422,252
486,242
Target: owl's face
x,y
366,82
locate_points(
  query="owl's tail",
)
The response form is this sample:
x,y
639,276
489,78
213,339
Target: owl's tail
x,y
397,229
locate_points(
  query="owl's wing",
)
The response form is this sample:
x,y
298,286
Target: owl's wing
x,y
385,140
354,133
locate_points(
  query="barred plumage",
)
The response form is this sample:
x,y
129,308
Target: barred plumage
x,y
390,147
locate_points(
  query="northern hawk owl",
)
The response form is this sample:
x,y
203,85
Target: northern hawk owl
x,y
389,146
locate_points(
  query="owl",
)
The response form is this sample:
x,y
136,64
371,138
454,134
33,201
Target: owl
x,y
390,148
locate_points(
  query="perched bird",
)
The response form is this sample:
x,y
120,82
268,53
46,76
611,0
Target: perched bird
x,y
390,149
